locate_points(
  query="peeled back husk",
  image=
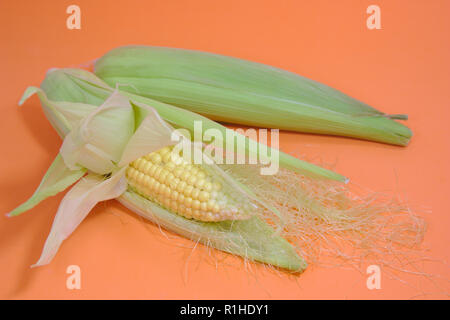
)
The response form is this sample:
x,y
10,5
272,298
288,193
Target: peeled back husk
x,y
253,239
244,92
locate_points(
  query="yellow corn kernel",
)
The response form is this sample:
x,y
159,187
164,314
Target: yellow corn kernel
x,y
174,195
208,186
185,175
155,158
174,206
147,166
188,190
167,192
157,172
188,212
169,177
157,187
163,175
195,193
192,179
211,204
170,166
167,157
200,182
164,150
181,186
178,171
217,186
188,202
152,170
174,183
140,177
201,174
195,204
203,196
146,181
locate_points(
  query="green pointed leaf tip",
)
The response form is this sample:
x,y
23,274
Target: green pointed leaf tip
x,y
239,91
57,179
81,86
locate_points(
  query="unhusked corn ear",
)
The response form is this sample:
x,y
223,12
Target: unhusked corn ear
x,y
183,188
233,90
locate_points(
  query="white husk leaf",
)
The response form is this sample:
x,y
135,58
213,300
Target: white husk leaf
x,y
76,205
98,141
153,134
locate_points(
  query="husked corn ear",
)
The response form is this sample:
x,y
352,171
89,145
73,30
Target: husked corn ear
x,y
183,188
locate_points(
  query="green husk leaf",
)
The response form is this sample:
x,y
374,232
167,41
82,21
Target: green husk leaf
x,y
57,179
63,115
252,239
239,91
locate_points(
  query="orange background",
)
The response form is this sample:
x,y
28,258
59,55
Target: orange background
x,y
403,68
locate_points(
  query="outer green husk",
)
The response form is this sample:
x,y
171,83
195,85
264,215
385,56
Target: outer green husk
x,y
238,91
252,239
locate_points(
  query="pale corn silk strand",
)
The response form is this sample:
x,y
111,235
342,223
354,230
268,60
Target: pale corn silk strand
x,y
336,225
326,220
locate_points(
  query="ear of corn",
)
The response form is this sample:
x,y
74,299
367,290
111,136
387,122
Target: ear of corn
x,y
82,87
238,91
223,212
